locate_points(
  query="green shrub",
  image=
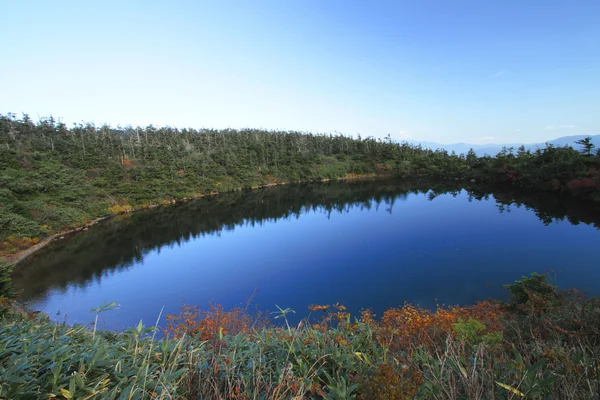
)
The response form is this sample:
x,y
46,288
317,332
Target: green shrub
x,y
521,291
12,224
5,280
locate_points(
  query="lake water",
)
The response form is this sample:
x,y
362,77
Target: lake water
x,y
364,244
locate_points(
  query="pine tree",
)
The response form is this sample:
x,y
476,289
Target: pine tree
x,y
587,145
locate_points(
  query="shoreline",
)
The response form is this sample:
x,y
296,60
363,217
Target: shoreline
x,y
16,258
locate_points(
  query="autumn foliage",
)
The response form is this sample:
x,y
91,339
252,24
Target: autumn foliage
x,y
404,329
399,332
391,382
212,323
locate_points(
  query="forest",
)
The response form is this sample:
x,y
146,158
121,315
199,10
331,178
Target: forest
x,y
54,177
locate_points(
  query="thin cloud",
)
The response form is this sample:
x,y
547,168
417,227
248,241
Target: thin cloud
x,y
498,74
553,127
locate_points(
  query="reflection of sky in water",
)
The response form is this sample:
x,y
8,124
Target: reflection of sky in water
x,y
447,251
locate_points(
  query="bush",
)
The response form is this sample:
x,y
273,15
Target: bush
x,y
5,280
17,225
538,285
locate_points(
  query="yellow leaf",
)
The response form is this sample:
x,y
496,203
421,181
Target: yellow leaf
x,y
511,389
66,394
362,357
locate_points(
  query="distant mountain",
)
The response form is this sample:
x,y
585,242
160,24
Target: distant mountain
x,y
493,149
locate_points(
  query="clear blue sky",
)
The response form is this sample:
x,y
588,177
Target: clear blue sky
x,y
476,71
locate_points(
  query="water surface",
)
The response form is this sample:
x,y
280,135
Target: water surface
x,y
365,244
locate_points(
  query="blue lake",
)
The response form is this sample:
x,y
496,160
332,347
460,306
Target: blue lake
x,y
364,244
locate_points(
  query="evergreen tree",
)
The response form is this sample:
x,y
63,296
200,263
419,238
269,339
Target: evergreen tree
x,y
587,145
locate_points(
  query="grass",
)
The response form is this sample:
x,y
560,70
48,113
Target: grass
x,y
544,343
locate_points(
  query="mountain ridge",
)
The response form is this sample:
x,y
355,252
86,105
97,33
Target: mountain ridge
x,y
493,149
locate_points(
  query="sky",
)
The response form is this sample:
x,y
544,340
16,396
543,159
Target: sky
x,y
483,71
